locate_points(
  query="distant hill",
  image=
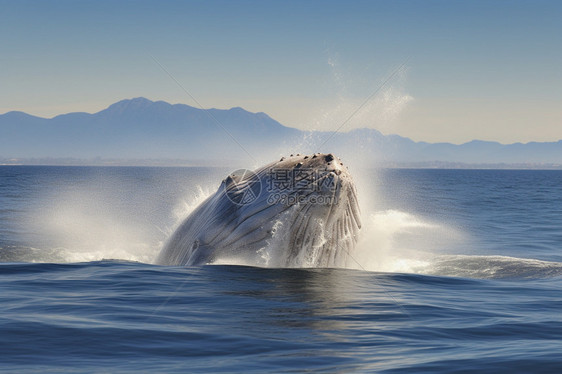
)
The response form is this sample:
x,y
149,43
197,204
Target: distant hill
x,y
141,129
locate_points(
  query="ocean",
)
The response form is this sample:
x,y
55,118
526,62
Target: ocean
x,y
455,271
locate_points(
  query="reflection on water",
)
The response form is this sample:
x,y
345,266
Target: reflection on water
x,y
328,301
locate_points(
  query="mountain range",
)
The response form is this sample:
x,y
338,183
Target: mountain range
x,y
141,129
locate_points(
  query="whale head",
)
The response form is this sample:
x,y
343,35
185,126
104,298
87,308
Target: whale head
x,y
299,211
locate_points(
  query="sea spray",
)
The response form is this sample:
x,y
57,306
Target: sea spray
x,y
119,216
89,224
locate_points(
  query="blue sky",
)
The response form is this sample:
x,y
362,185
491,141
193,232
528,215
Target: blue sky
x,y
473,69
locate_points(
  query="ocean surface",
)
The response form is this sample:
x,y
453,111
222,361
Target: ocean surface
x,y
456,271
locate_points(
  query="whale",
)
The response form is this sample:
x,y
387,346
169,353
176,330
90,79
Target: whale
x,y
298,211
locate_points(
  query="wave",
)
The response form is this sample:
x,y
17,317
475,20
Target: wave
x,y
492,267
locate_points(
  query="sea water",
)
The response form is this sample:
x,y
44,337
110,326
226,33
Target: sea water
x,y
455,271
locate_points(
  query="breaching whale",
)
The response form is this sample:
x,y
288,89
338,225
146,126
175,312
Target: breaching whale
x,y
300,211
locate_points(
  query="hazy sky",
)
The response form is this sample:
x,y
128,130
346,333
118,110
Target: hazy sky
x,y
459,70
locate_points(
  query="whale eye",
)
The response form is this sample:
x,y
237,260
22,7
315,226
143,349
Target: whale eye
x,y
329,157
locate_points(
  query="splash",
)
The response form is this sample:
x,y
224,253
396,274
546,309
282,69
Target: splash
x,y
88,223
391,241
97,222
186,205
396,241
85,225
